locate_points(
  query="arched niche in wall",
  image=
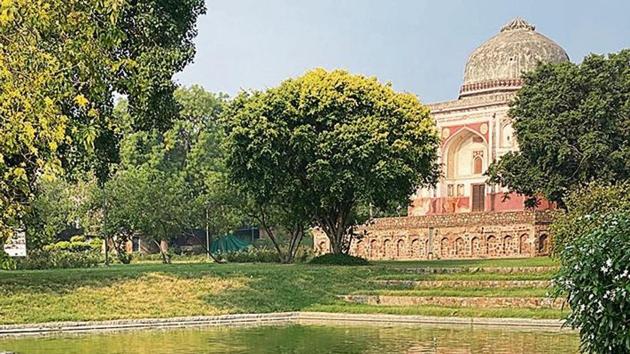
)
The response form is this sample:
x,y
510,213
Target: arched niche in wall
x,y
465,154
507,134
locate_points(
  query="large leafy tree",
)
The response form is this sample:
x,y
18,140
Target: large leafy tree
x,y
572,124
180,170
142,200
319,147
61,62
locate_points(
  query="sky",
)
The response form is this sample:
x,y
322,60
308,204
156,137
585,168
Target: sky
x,y
420,46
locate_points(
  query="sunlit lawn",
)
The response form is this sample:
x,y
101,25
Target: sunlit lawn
x,y
187,289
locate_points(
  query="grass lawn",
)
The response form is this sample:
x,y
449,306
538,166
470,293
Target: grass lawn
x,y
156,290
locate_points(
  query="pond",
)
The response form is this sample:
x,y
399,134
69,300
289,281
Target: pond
x,y
303,339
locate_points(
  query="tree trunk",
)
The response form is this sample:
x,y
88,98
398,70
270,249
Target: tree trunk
x,y
163,247
263,222
209,241
106,251
294,243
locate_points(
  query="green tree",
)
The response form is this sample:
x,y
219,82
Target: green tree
x,y
317,148
572,124
61,62
145,201
187,161
59,205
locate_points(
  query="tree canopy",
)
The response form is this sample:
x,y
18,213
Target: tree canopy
x,y
318,147
572,124
174,181
61,62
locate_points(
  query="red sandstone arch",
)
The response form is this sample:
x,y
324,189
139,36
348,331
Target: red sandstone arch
x,y
478,165
460,248
387,249
523,245
509,248
444,249
475,247
400,249
373,247
415,248
492,246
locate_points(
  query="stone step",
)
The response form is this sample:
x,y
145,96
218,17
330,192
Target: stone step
x,y
455,301
501,270
432,284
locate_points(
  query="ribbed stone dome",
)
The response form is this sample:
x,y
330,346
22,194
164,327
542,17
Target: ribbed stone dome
x,y
498,63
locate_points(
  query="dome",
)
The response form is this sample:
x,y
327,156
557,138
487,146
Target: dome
x,y
498,63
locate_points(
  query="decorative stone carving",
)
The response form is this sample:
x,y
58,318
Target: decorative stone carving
x,y
497,64
483,128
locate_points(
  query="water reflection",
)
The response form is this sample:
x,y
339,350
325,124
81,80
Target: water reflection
x,y
303,339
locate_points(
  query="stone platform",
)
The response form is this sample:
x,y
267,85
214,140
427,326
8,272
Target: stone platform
x,y
451,236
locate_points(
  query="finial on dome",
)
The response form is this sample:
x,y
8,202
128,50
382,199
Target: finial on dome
x,y
517,23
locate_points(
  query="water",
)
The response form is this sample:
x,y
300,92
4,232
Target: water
x,y
303,339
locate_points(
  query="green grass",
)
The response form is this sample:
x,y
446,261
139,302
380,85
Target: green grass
x,y
186,289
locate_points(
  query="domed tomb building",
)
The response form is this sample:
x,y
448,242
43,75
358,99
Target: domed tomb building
x,y
476,129
463,216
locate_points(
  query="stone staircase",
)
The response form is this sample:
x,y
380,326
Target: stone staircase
x,y
500,270
457,301
460,287
433,284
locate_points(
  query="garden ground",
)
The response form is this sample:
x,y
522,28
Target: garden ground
x,y
469,288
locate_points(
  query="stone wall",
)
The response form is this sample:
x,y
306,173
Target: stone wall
x,y
452,236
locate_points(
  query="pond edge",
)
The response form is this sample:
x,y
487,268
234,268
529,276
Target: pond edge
x,y
278,318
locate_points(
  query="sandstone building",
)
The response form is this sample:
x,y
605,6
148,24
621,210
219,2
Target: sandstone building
x,y
463,216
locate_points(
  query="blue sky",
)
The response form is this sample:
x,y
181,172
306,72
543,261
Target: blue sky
x,y
419,46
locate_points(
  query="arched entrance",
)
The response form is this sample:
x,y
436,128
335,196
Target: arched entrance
x,y
460,248
400,249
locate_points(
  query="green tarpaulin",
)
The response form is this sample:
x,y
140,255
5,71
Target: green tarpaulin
x,y
228,243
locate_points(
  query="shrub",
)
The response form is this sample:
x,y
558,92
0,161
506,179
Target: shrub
x,y
252,255
77,238
48,259
6,262
584,206
595,275
76,244
339,259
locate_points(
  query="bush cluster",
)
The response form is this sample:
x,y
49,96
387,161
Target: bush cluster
x,y
76,244
43,259
339,259
595,275
76,253
6,262
252,255
584,205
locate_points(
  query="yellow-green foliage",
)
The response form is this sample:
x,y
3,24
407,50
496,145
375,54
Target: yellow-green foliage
x,y
61,63
49,60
